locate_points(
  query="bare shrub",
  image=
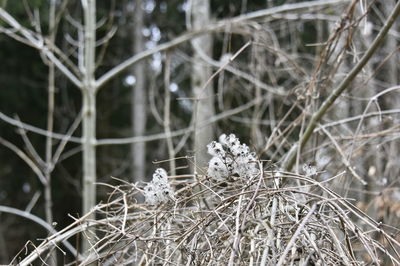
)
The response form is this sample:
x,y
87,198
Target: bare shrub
x,y
268,217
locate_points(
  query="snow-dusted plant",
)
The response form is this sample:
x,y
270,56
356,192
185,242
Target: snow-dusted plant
x,y
230,157
158,190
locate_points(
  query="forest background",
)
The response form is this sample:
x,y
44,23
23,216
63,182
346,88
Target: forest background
x,y
92,90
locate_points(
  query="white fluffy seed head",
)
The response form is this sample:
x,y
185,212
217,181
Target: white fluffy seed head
x,y
216,149
160,176
217,169
309,170
158,190
230,157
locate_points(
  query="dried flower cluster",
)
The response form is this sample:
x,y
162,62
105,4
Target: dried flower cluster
x,y
158,190
230,157
309,170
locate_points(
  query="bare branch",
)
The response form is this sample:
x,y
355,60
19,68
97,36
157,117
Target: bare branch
x,y
37,130
39,43
179,132
288,164
41,222
214,27
28,161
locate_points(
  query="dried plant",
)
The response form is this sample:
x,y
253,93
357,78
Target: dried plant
x,y
263,217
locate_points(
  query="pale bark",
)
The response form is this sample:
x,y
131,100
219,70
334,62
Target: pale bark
x,y
138,98
89,112
204,103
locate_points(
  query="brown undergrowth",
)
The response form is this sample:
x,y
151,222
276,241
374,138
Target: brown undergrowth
x,y
271,218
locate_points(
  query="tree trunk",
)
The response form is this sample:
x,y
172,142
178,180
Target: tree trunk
x,y
204,105
391,167
52,260
89,111
138,98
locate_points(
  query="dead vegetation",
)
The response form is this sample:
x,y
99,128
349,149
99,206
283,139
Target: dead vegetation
x,y
273,218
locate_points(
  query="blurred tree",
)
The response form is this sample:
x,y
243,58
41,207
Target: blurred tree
x,y
199,16
138,96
